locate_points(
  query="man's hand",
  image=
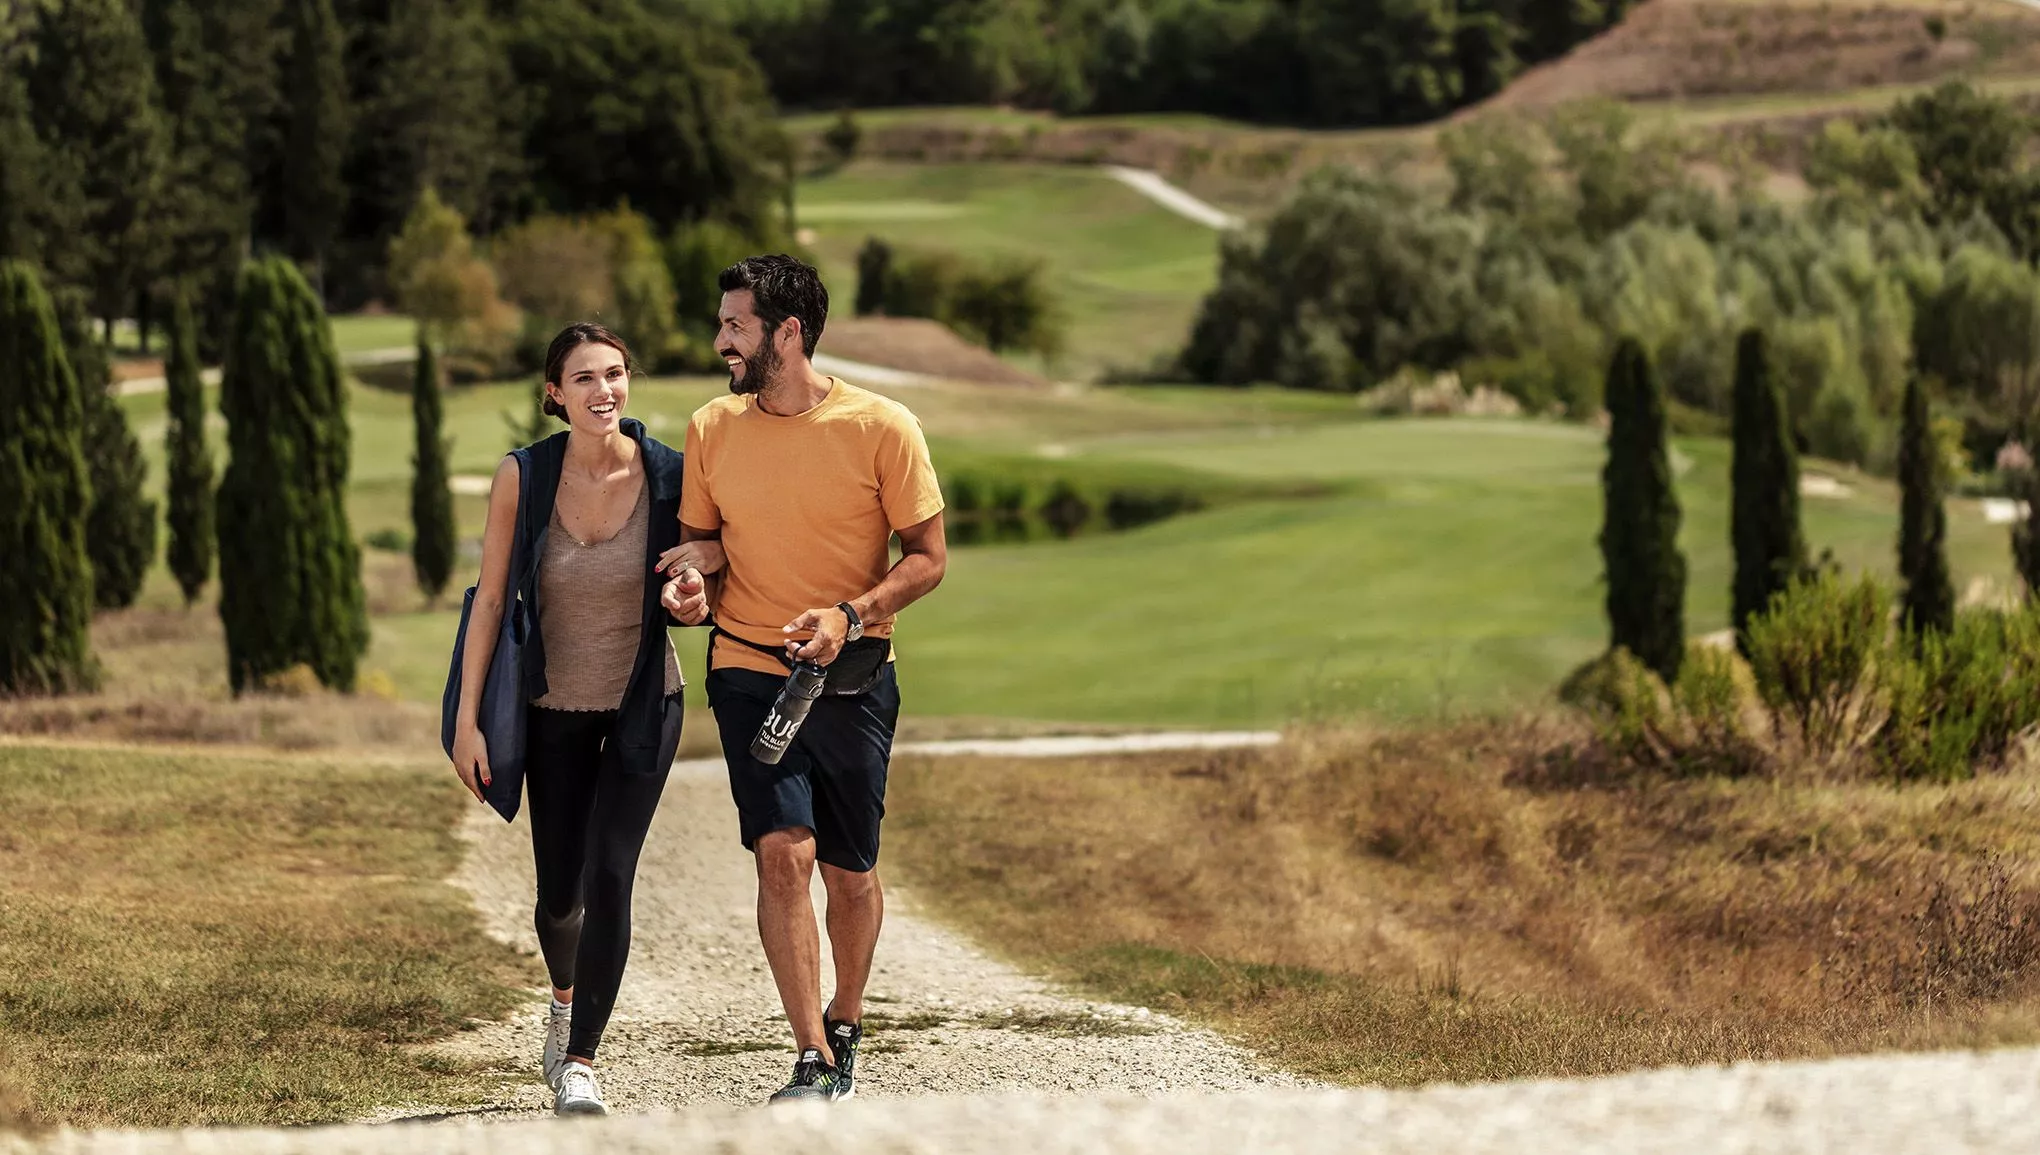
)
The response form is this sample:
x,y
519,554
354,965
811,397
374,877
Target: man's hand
x,y
686,598
831,626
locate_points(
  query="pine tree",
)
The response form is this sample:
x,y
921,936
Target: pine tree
x,y
315,147
1646,573
120,528
1770,550
1929,602
93,94
432,527
190,462
46,617
290,570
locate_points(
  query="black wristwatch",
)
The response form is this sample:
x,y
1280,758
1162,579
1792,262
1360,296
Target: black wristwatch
x,y
856,623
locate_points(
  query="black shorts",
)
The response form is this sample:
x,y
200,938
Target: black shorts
x,y
831,780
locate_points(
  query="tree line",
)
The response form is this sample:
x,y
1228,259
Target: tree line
x,y
1558,236
1304,62
154,145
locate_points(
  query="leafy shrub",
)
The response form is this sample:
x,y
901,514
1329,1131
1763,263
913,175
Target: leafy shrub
x,y
1698,726
923,284
607,268
1127,508
1813,654
874,271
1959,701
1065,510
439,279
1009,511
843,136
1007,304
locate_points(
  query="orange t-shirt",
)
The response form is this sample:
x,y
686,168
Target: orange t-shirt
x,y
807,506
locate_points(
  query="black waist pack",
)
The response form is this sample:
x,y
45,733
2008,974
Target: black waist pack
x,y
855,670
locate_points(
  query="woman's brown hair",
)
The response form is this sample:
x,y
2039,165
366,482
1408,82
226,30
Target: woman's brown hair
x,y
571,338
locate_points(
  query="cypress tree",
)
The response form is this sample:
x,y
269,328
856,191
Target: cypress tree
x,y
190,462
1929,602
1770,550
290,570
46,617
432,528
120,527
1645,571
315,148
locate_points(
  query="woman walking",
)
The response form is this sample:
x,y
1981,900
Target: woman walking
x,y
601,680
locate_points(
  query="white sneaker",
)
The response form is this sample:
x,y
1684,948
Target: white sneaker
x,y
559,1027
577,1092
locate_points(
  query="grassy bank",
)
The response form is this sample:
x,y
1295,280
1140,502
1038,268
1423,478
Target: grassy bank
x,y
1127,273
234,938
1409,907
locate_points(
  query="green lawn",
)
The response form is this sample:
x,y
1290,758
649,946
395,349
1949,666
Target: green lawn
x,y
1450,564
1128,273
362,333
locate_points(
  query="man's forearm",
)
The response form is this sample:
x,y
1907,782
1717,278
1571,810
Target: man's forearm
x,y
907,582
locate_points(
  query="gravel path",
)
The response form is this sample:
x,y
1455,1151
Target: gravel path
x,y
698,1019
1955,1104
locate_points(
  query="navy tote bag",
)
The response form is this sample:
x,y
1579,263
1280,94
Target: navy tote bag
x,y
501,716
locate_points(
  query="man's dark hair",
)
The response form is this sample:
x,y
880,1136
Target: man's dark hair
x,y
782,287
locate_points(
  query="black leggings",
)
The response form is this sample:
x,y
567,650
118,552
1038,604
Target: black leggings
x,y
588,822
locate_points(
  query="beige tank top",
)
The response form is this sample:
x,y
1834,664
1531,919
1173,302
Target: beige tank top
x,y
590,609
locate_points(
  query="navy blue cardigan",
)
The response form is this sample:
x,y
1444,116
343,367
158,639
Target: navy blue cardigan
x,y
648,722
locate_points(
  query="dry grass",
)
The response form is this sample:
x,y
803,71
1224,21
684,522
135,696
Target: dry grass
x,y
1406,907
232,939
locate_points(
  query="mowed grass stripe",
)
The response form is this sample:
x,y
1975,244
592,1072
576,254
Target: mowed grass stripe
x,y
233,940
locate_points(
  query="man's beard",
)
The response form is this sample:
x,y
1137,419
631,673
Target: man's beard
x,y
760,369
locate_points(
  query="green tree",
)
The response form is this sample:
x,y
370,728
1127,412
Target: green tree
x,y
434,108
1970,146
46,617
290,572
1645,572
681,129
1923,520
28,203
120,527
1770,550
190,461
216,73
432,526
93,91
315,145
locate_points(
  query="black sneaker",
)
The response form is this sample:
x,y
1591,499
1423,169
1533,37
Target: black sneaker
x,y
843,1041
813,1079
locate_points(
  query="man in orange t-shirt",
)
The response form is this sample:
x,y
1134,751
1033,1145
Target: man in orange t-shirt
x,y
806,479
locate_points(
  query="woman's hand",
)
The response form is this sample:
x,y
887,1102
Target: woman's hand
x,y
471,759
704,556
686,598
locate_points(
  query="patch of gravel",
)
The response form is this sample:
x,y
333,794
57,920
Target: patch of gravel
x,y
698,1019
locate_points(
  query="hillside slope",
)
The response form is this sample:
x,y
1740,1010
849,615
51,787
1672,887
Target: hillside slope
x,y
1675,49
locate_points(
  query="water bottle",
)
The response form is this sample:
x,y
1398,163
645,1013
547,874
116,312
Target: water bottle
x,y
791,708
